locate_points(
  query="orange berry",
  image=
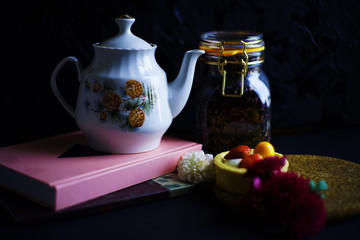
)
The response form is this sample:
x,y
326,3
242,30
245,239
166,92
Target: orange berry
x,y
265,149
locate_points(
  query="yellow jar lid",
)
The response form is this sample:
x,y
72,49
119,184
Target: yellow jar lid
x,y
232,42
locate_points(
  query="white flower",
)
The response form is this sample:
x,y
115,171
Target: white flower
x,y
196,167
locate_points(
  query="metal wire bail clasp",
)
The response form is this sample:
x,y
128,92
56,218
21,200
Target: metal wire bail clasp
x,y
221,67
222,62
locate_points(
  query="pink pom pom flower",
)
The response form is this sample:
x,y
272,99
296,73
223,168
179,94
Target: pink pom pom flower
x,y
286,200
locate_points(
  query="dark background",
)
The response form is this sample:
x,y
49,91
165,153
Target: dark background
x,y
312,55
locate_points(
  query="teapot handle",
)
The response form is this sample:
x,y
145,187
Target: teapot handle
x,y
54,85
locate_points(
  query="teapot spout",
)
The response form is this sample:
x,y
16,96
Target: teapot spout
x,y
179,89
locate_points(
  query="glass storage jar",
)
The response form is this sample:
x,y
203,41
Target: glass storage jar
x,y
232,92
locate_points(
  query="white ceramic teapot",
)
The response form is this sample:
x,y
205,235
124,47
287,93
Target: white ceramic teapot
x,y
124,103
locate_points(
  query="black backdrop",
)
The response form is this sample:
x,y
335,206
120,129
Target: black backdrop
x,y
312,55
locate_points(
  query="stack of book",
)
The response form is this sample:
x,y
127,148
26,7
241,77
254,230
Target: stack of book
x,y
61,175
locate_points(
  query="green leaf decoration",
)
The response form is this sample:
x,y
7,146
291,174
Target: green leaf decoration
x,y
146,102
99,106
116,116
87,105
150,99
109,85
125,125
132,104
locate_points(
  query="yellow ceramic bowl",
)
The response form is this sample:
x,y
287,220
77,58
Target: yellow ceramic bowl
x,y
231,178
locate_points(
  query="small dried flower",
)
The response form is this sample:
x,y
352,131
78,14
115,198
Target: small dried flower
x,y
321,186
196,167
96,87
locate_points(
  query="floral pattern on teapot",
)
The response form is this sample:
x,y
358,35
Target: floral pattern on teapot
x,y
123,105
119,107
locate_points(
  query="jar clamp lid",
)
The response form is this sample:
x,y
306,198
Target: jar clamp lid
x,y
249,46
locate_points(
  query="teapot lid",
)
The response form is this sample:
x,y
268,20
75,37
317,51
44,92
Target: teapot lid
x,y
125,39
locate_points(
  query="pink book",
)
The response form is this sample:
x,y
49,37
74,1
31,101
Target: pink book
x,y
63,171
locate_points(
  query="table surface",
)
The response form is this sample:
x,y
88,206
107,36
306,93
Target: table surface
x,y
199,214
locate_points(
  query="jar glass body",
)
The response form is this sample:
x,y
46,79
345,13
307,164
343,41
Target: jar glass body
x,y
242,114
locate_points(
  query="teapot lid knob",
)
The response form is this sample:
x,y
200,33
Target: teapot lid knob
x,y
126,16
125,39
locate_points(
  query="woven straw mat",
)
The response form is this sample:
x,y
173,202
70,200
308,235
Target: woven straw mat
x,y
342,199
